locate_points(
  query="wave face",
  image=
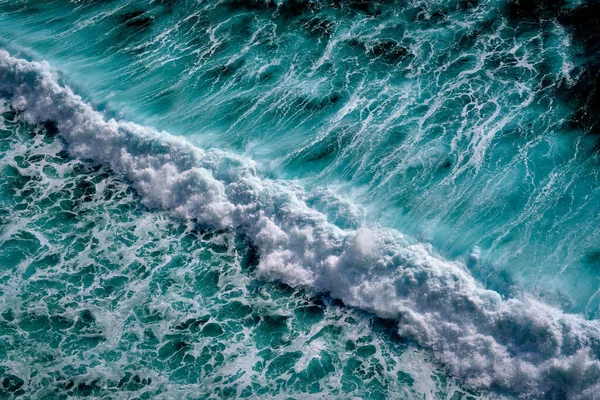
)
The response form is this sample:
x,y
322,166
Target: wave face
x,y
467,126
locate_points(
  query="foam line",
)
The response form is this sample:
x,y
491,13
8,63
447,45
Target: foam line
x,y
516,346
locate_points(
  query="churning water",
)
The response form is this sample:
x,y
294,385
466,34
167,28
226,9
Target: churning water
x,y
300,199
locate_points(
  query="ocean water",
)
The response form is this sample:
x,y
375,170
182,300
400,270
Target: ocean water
x,y
299,199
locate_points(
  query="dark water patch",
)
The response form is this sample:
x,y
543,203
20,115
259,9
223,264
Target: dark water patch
x,y
84,389
250,258
212,329
319,27
585,94
593,258
133,382
110,287
468,39
446,165
389,51
437,16
207,282
50,129
358,44
314,104
318,369
12,384
8,315
176,344
138,21
275,322
193,324
389,328
368,7
533,10
9,114
61,323
250,5
164,100
323,151
84,190
583,22
464,5
86,318
228,70
296,8
427,17
310,314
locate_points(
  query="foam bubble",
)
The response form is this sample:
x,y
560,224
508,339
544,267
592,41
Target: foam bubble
x,y
519,345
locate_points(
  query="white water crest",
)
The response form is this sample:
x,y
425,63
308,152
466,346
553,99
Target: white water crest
x,y
518,346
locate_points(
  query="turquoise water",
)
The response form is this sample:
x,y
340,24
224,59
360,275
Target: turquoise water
x,y
353,199
101,297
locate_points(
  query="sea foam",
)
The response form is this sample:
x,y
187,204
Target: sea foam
x,y
516,346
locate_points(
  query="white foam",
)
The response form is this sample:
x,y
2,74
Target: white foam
x,y
520,346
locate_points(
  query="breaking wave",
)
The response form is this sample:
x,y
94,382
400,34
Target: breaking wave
x,y
514,346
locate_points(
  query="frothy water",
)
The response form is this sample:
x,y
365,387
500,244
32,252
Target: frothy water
x,y
431,164
103,298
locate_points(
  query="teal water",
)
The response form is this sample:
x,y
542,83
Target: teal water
x,y
431,163
103,298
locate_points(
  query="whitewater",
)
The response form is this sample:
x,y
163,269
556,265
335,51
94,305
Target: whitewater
x,y
485,312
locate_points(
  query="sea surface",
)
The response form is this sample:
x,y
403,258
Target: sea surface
x,y
300,199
